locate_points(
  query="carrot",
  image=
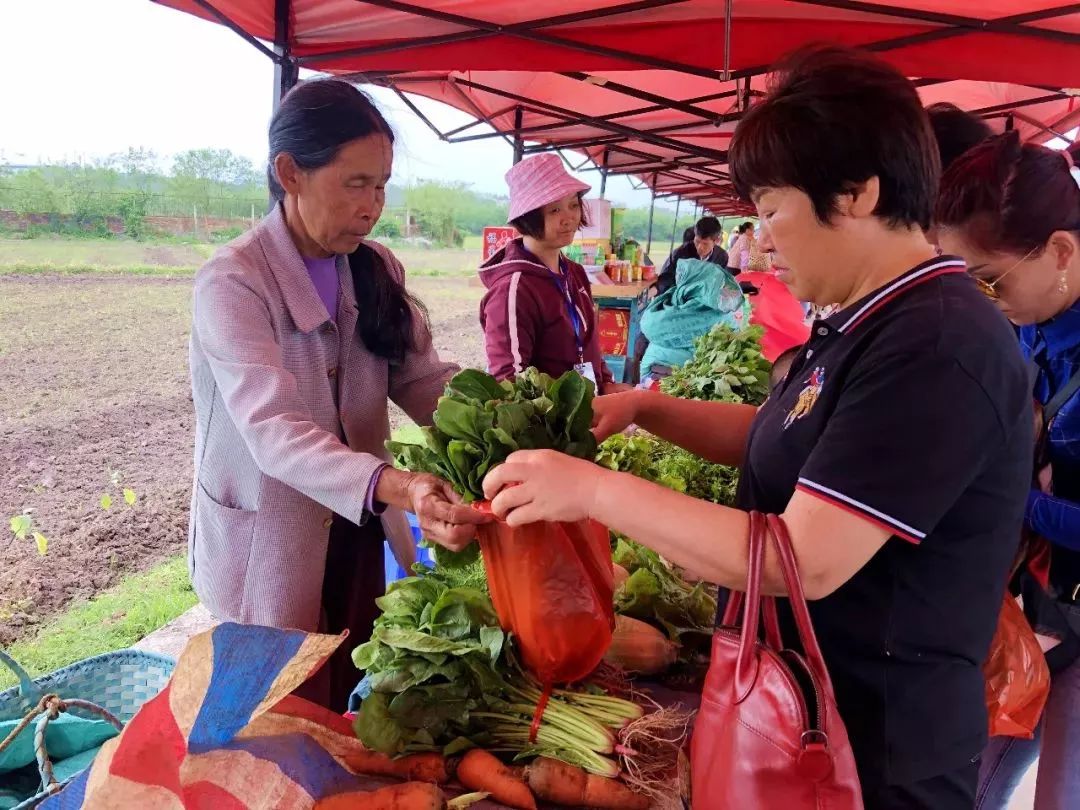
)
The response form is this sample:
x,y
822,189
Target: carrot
x,y
413,768
479,770
406,796
560,783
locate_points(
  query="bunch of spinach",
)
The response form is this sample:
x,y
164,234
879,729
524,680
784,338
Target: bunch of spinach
x,y
441,674
480,421
727,366
434,653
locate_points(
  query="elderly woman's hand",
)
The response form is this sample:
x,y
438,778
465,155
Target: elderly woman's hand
x,y
443,518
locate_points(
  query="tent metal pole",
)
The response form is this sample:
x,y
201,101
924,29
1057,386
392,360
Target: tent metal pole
x,y
604,173
286,72
652,210
484,33
530,35
728,4
674,225
519,144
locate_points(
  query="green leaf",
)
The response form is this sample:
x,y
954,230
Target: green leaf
x,y
364,655
458,745
106,501
475,609
493,638
431,707
477,385
376,728
414,640
20,525
459,419
42,543
129,497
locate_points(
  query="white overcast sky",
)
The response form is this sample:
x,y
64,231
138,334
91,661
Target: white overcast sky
x,y
85,78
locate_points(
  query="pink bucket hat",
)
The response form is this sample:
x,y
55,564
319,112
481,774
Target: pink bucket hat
x,y
538,181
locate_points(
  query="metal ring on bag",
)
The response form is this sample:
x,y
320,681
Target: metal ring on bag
x,y
820,736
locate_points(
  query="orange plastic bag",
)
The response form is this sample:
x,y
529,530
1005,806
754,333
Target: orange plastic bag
x,y
552,586
1017,678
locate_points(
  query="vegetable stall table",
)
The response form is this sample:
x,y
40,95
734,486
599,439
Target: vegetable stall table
x,y
618,316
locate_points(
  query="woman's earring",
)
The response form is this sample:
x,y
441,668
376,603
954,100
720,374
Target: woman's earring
x,y
1063,282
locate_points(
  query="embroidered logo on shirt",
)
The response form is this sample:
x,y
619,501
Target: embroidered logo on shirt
x,y
808,397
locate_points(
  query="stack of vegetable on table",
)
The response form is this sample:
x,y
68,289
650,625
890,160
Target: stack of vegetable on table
x,y
448,680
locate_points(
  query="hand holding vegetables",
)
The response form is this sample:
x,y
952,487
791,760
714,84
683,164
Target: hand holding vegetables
x,y
614,413
443,517
536,485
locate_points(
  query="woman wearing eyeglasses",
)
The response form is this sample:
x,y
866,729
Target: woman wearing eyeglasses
x,y
1012,211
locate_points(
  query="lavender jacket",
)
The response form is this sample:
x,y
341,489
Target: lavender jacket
x,y
290,420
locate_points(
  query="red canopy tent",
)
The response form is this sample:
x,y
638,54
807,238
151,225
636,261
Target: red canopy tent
x,y
654,88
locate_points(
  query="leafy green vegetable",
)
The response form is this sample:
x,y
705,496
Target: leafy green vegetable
x,y
479,422
663,463
443,674
727,366
656,593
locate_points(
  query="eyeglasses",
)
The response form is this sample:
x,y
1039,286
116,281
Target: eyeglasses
x,y
989,288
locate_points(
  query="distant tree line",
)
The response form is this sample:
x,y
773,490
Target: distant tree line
x,y
135,184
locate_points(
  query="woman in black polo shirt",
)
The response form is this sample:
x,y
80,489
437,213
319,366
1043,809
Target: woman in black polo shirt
x,y
897,449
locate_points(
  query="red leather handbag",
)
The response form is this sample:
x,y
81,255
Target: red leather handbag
x,y
768,734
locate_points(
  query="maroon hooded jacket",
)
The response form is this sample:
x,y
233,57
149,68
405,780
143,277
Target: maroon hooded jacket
x,y
526,318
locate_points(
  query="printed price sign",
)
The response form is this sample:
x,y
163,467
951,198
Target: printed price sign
x,y
614,326
495,239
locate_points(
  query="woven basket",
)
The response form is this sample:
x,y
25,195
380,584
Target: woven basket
x,y
118,682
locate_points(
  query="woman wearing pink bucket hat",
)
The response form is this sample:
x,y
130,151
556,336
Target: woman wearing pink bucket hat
x,y
538,310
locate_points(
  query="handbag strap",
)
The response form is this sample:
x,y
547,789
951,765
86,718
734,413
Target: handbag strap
x,y
1055,403
796,597
755,606
27,690
746,666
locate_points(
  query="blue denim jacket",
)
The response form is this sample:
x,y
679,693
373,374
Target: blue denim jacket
x,y
1055,348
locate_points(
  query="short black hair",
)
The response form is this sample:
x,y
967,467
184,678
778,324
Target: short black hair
x,y
532,223
746,226
688,235
836,117
956,131
708,228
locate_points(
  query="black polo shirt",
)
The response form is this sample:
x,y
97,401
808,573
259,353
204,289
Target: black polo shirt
x,y
910,409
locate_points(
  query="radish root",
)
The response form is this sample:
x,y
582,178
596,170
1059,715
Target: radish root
x,y
649,750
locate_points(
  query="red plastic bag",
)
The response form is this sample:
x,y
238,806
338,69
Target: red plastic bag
x,y
1017,678
776,310
552,586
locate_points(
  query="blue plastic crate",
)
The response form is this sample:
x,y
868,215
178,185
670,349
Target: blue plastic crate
x,y
393,570
617,364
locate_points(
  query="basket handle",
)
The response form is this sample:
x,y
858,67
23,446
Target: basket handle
x,y
27,689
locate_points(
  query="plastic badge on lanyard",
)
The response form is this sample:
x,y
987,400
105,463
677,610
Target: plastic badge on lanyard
x,y
586,370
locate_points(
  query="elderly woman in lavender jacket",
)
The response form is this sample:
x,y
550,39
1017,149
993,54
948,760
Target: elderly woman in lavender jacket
x,y
302,331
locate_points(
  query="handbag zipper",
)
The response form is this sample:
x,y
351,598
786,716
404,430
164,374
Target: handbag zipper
x,y
789,676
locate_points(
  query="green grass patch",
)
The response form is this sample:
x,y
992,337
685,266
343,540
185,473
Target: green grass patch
x,y
95,269
182,257
112,620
